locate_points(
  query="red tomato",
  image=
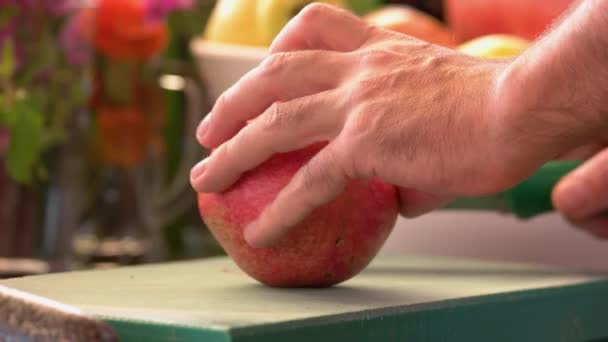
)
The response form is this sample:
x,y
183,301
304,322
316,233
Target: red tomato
x,y
121,30
527,19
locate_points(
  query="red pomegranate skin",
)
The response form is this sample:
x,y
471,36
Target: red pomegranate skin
x,y
334,243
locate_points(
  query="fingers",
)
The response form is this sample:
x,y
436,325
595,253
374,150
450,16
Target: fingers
x,y
582,196
284,127
316,183
286,74
415,203
584,192
281,77
322,27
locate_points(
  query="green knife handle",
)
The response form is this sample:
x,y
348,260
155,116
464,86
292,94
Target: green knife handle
x,y
533,196
527,199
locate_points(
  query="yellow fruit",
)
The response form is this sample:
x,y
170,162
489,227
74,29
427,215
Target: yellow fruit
x,y
494,46
253,22
233,21
273,15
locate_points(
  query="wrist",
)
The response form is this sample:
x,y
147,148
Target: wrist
x,y
524,133
556,91
539,114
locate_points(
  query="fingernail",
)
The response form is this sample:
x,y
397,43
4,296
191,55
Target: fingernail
x,y
196,174
202,129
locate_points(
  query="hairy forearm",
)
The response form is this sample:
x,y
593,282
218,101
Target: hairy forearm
x,y
557,91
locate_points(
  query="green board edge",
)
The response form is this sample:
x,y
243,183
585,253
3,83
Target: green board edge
x,y
565,313
570,313
131,331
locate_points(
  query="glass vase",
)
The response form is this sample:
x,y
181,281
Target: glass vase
x,y
43,91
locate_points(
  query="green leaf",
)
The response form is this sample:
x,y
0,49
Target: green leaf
x,y
3,116
25,144
7,63
7,115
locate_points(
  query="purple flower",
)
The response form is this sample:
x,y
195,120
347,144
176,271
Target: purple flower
x,y
158,10
75,48
29,11
64,7
7,32
53,7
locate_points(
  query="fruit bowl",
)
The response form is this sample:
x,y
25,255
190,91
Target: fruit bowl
x,y
221,65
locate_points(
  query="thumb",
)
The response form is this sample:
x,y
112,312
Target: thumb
x,y
414,203
582,195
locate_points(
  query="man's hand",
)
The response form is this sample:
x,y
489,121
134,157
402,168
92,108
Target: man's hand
x,y
428,119
582,196
563,77
391,106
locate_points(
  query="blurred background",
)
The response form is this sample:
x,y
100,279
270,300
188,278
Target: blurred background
x,y
99,100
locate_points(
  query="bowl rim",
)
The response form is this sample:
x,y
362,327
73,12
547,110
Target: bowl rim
x,y
203,47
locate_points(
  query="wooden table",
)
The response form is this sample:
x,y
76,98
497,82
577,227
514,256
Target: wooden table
x,y
395,299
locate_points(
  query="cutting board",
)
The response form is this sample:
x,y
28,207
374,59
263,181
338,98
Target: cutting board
x,y
394,299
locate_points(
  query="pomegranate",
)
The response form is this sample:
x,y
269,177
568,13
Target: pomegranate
x,y
333,244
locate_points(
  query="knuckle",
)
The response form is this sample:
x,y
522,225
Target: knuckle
x,y
312,13
222,154
357,129
361,91
275,64
364,123
284,115
365,88
227,155
374,58
276,117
